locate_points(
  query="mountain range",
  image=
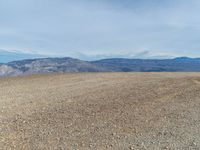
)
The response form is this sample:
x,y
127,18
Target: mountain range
x,y
67,64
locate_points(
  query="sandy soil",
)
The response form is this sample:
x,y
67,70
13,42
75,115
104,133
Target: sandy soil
x,y
114,111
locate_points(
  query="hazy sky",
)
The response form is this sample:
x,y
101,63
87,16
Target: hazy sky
x,y
101,27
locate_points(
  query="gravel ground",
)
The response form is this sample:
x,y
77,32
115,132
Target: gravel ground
x,y
101,111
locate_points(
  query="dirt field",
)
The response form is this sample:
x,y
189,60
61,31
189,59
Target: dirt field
x,y
114,111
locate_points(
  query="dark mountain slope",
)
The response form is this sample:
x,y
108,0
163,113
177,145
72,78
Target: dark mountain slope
x,y
141,65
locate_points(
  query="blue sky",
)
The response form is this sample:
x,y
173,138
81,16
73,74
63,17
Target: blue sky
x,y
92,29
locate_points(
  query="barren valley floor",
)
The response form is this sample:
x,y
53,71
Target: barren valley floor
x,y
114,111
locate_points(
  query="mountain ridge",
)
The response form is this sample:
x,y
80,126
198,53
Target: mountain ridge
x,y
68,64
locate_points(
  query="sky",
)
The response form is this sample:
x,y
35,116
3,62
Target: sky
x,y
93,29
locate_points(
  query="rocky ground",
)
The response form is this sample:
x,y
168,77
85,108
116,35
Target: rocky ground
x,y
101,111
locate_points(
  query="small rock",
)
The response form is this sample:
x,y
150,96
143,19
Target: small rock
x,y
166,147
90,146
113,134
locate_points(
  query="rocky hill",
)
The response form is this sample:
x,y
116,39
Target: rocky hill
x,y
47,65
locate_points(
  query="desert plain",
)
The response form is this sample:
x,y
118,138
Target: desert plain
x,y
100,111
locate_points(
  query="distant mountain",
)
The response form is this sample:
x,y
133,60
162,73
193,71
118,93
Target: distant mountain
x,y
181,64
187,59
7,56
61,65
47,65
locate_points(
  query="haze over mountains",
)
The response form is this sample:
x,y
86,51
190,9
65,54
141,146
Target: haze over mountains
x,y
16,55
67,64
8,56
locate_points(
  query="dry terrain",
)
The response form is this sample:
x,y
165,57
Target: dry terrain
x,y
100,111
